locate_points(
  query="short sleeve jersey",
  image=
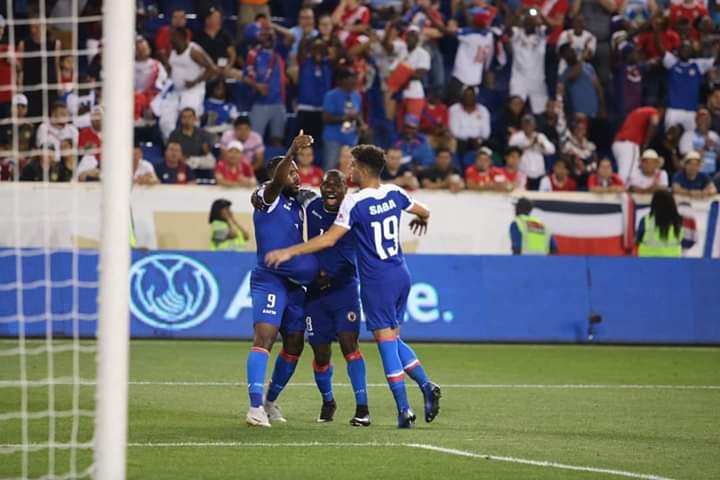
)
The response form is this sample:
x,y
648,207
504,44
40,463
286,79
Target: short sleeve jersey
x,y
373,215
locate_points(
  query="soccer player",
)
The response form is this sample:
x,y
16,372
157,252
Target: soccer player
x,y
373,213
277,294
332,305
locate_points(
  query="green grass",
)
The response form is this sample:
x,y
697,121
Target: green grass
x,y
671,432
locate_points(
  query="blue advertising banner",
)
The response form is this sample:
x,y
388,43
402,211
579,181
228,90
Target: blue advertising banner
x,y
453,297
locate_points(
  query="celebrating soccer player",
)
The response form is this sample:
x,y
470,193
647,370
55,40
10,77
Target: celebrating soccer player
x,y
332,305
373,213
277,294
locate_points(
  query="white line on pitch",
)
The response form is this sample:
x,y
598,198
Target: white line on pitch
x,y
567,386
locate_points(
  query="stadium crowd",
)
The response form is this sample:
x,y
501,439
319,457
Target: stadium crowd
x,y
551,95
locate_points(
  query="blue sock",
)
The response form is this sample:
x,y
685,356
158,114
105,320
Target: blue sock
x,y
323,379
412,365
284,368
393,371
256,366
356,372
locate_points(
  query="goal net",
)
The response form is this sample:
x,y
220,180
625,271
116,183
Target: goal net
x,y
63,278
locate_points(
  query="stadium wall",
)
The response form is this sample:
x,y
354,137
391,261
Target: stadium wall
x,y
169,217
187,294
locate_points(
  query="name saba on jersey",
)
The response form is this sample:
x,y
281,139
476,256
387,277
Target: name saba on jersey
x,y
383,207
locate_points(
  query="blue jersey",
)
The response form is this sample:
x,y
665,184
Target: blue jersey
x,y
685,81
373,215
281,225
338,262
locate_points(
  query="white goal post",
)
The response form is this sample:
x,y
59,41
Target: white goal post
x,y
113,329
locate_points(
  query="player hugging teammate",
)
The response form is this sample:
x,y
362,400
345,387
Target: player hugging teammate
x,y
373,214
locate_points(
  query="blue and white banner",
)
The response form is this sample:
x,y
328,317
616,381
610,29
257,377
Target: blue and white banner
x,y
453,298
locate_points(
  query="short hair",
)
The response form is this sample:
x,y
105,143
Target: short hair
x,y
57,105
371,157
173,142
273,164
335,172
443,150
188,109
259,16
564,160
242,120
510,150
523,206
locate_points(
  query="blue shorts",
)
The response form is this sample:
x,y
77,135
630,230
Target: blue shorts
x,y
331,313
384,302
277,301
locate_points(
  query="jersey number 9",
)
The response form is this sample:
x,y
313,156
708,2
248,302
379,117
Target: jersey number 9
x,y
387,231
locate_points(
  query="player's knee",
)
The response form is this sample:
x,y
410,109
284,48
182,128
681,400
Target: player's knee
x,y
348,343
294,343
322,357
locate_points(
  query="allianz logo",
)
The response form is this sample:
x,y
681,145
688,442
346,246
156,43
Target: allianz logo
x,y
175,292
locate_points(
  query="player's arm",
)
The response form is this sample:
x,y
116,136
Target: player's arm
x,y
315,244
419,224
273,189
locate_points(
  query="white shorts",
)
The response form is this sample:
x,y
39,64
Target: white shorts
x,y
537,93
684,118
627,156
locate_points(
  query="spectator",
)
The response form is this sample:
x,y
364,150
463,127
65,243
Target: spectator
x,y
596,14
630,73
482,175
219,113
265,73
190,68
528,45
34,60
352,19
418,61
150,77
25,129
581,151
143,171
195,142
684,82
550,123
226,231
419,15
342,117
688,10
442,175
553,14
88,170
163,45
660,233
634,136
249,11
583,87
514,178
388,49
7,64
667,147
578,39
702,140
650,177
434,122
56,129
314,80
469,122
397,172
604,180
534,146
67,169
303,31
414,146
559,180
511,119
310,174
90,138
233,170
38,169
690,180
252,142
216,42
657,30
173,170
528,234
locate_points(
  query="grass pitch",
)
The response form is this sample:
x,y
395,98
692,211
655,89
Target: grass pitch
x,y
594,412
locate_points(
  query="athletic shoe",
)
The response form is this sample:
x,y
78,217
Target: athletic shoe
x,y
257,417
327,412
406,418
362,417
274,413
432,396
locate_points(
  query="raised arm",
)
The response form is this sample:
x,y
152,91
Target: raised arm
x,y
277,183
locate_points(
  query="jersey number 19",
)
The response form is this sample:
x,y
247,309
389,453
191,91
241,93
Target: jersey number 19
x,y
384,231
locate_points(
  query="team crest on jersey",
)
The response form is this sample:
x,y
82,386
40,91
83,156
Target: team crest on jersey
x,y
351,316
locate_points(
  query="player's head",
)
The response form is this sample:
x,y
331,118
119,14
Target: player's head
x,y
218,208
368,163
291,184
178,39
333,189
523,206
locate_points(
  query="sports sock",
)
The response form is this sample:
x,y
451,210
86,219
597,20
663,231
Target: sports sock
x,y
356,372
284,368
323,380
411,364
393,371
256,366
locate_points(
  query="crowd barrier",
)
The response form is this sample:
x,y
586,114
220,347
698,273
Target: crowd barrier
x,y
188,294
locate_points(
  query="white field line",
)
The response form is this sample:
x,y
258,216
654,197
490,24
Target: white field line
x,y
421,446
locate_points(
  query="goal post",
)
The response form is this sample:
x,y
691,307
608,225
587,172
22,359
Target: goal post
x,y
113,328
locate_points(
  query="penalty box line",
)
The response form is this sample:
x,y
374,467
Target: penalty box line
x,y
417,446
